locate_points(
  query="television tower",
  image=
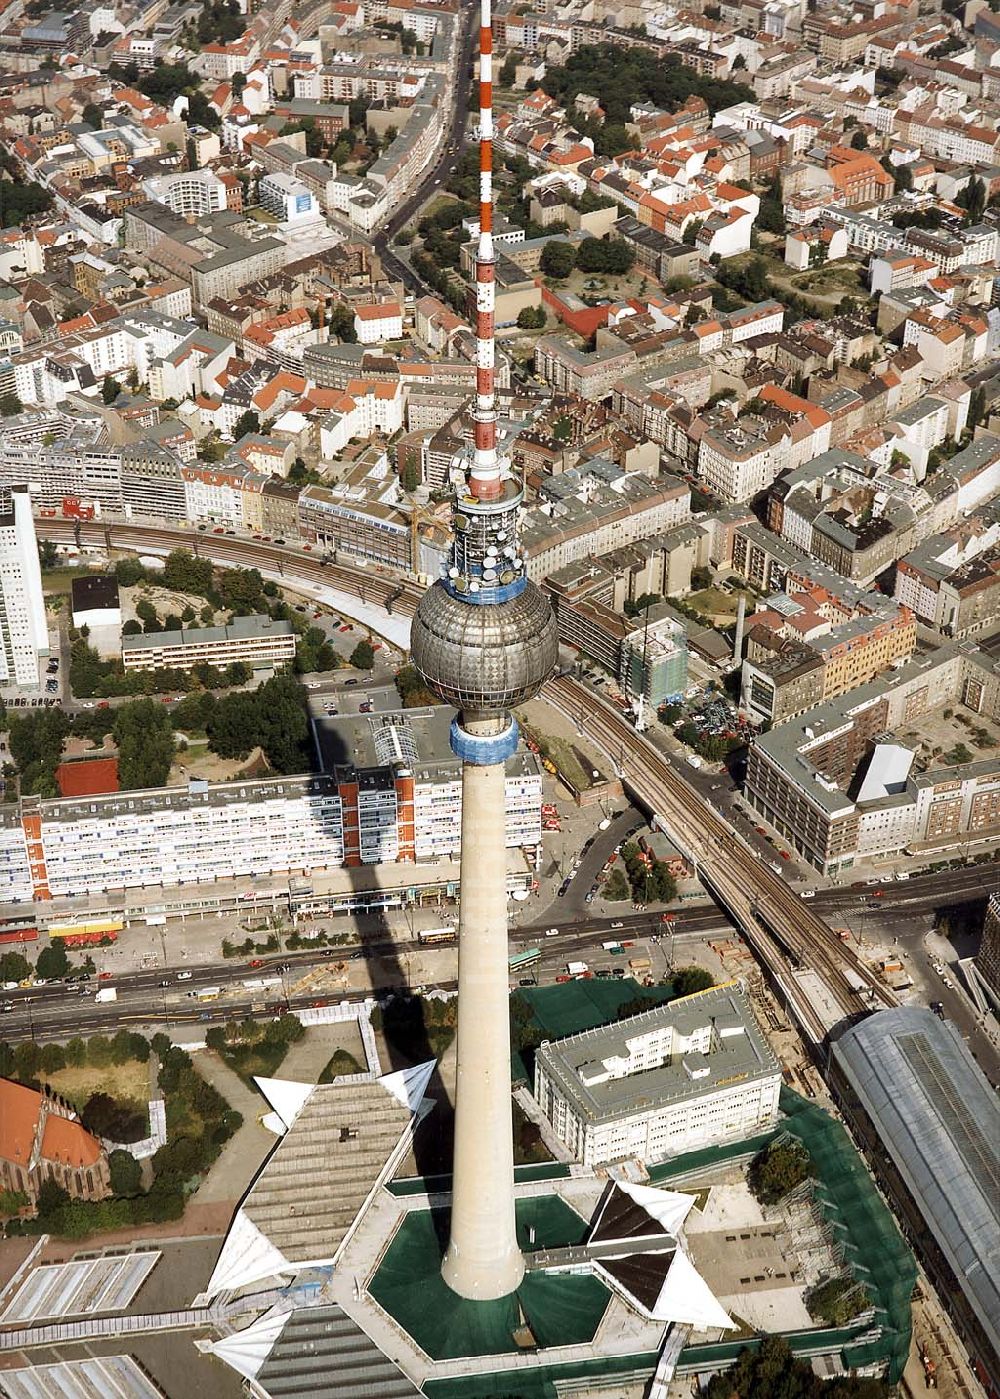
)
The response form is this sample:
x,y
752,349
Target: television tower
x,y
484,639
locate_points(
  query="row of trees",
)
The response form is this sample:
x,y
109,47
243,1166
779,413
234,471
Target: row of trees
x,y
771,1371
598,255
640,877
620,77
94,676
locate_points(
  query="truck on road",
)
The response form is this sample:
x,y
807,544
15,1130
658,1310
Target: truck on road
x,y
105,994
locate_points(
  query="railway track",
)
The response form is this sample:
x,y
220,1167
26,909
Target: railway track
x,y
371,585
785,935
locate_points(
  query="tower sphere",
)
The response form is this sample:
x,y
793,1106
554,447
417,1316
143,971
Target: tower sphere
x,y
484,658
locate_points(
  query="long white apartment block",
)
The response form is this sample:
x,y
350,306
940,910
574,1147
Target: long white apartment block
x,y
23,632
403,808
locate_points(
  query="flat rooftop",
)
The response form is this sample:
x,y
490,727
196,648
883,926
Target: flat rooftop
x,y
239,629
580,1064
939,1120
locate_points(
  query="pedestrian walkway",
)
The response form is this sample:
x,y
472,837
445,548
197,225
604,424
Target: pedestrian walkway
x,y
240,1159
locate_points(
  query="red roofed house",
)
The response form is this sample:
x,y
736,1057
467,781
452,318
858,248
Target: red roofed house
x,y
375,324
42,1139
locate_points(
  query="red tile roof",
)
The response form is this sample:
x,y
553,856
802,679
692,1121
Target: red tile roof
x,y
88,777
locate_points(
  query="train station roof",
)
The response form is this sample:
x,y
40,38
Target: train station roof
x,y
939,1120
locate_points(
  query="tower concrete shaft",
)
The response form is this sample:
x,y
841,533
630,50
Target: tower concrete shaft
x,y
484,639
483,1260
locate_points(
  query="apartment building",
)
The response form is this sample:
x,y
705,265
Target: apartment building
x,y
24,637
189,193
348,521
569,370
786,674
952,580
737,461
707,1075
594,508
255,641
392,793
836,785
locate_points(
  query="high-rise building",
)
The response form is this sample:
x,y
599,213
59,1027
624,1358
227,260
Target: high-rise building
x,y
24,636
484,639
988,956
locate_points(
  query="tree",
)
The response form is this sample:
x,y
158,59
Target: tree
x,y
52,963
701,577
410,478
837,1300
691,230
859,141
48,554
972,199
118,1122
14,967
93,116
126,1174
110,389
508,72
363,656
246,422
10,405
688,980
531,317
145,742
616,886
183,573
238,83
977,407
771,216
903,177
53,1058
342,324
558,259
780,1168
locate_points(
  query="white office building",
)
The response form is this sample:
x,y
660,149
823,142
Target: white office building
x,y
189,193
288,198
674,1079
23,634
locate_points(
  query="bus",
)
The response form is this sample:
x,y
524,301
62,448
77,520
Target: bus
x,y
520,960
431,935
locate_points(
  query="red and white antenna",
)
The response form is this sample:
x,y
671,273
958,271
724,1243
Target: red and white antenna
x,y
484,476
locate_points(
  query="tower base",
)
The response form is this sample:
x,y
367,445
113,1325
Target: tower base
x,y
482,1282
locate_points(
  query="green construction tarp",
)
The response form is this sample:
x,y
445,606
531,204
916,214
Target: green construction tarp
x,y
575,1006
559,1309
